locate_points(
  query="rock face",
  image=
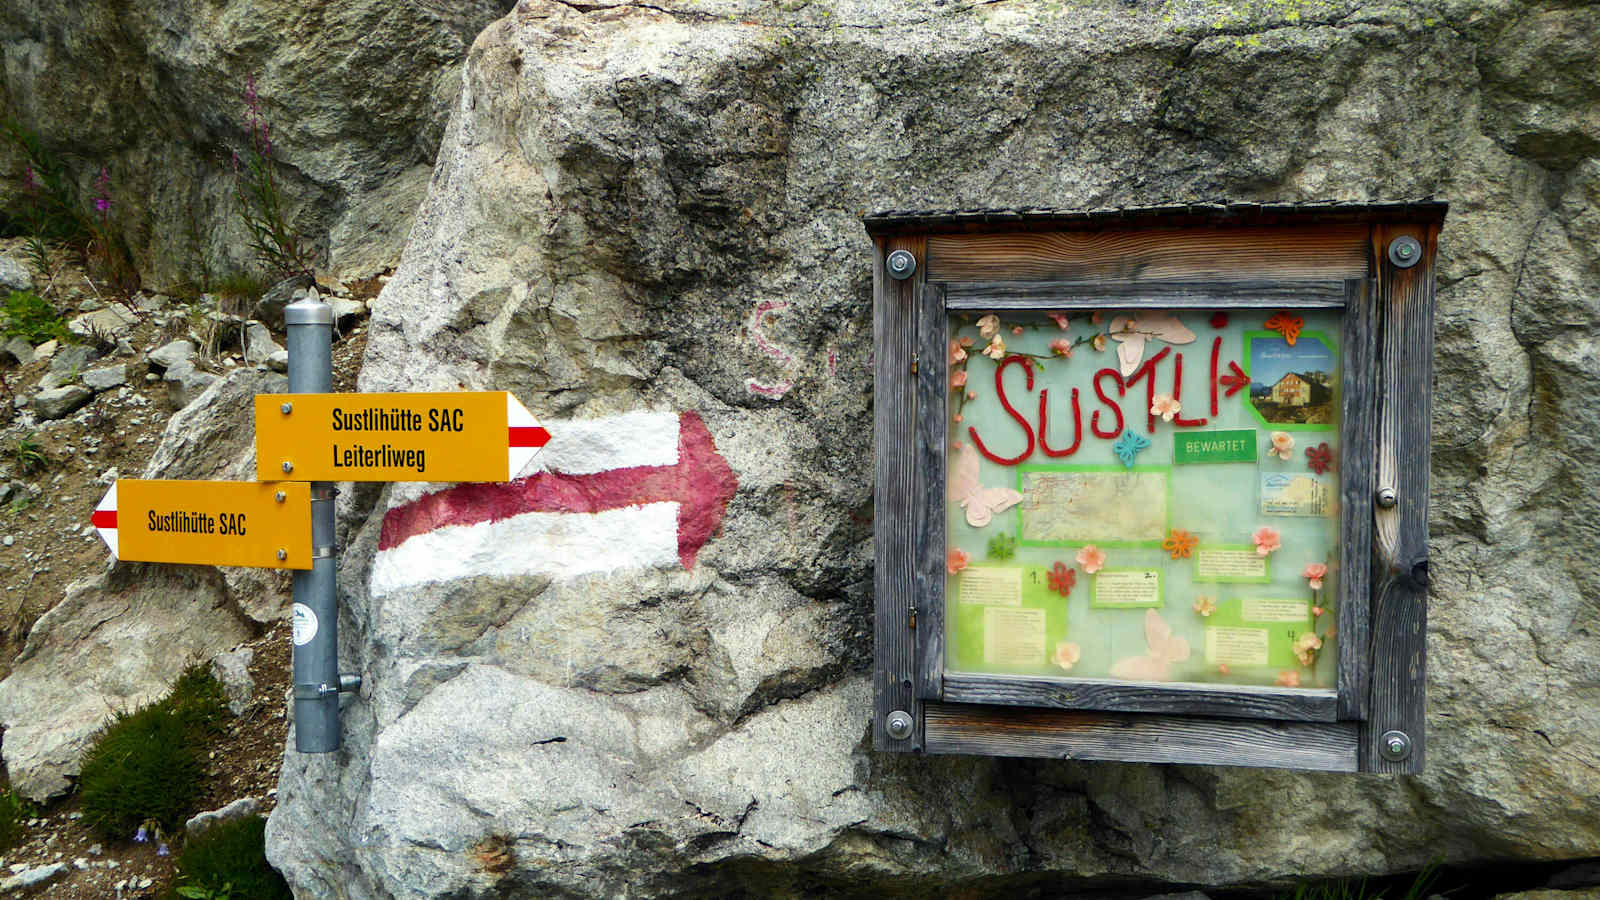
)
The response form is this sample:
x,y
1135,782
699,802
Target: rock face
x,y
115,642
356,94
655,211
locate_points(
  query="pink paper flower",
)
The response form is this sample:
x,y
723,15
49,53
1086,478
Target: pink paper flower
x,y
1166,406
972,395
1315,572
958,379
1282,443
1288,678
1067,655
1060,319
1267,540
1097,317
1222,668
967,340
956,560
958,420
996,349
956,353
1061,347
1016,329
989,325
1091,558
1204,605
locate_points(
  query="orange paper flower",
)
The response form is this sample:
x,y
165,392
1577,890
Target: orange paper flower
x,y
1179,543
1287,325
956,560
1288,678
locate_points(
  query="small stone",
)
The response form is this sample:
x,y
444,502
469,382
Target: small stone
x,y
32,877
62,401
151,377
258,344
19,350
45,350
170,354
185,382
91,305
8,540
14,276
242,808
109,476
110,320
107,378
279,361
80,863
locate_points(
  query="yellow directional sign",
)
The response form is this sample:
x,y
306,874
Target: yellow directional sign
x,y
460,436
215,523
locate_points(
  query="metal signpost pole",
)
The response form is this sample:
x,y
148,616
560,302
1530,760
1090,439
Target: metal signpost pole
x,y
316,611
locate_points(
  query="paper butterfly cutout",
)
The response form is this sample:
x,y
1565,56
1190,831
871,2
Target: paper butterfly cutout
x,y
1146,324
1286,325
1128,446
981,503
1164,650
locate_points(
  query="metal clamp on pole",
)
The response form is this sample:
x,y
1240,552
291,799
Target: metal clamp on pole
x,y
316,608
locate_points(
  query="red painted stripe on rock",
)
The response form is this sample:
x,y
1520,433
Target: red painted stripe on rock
x,y
701,482
103,518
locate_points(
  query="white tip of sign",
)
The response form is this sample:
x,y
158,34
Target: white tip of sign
x,y
525,438
104,518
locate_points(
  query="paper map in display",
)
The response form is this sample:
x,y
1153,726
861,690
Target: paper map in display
x,y
1087,507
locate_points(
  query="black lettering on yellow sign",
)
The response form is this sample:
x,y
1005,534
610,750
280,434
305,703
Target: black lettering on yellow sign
x,y
392,419
181,521
446,420
233,523
359,456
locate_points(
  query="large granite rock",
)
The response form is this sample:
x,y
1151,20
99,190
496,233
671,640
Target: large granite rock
x,y
356,94
655,210
116,641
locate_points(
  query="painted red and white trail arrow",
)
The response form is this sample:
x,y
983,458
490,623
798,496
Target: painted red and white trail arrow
x,y
643,490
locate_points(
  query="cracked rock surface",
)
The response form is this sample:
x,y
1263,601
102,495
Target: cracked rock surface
x,y
657,208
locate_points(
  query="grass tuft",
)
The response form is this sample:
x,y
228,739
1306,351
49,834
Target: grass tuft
x,y
228,862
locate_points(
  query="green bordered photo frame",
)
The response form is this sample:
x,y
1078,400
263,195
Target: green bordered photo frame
x,y
1158,603
1166,519
1266,565
1249,401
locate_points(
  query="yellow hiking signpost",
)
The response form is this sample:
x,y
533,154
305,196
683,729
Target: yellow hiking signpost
x,y
214,523
467,436
316,439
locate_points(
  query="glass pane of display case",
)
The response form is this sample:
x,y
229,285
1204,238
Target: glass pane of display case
x,y
1144,496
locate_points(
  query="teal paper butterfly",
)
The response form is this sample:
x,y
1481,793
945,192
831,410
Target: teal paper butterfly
x,y
1128,446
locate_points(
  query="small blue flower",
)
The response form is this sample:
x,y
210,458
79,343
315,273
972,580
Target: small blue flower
x,y
141,836
1128,446
161,850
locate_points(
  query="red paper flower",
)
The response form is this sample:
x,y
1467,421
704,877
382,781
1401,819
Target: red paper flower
x,y
1063,579
1219,319
1320,457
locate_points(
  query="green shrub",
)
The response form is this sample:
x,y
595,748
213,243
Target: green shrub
x,y
228,862
30,316
13,813
145,766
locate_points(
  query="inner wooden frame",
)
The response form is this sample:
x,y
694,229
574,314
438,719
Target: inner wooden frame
x,y
1187,257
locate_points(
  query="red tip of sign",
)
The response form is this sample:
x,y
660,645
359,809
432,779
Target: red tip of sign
x,y
521,436
104,518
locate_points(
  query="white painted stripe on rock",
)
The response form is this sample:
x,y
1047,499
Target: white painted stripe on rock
x,y
561,545
583,447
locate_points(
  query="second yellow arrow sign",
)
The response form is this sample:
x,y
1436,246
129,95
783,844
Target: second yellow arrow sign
x,y
466,436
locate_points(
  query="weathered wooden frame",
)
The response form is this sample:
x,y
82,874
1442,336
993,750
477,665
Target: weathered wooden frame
x,y
1196,256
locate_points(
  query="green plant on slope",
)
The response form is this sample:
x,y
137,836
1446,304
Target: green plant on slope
x,y
31,317
260,200
143,770
228,862
27,454
14,813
